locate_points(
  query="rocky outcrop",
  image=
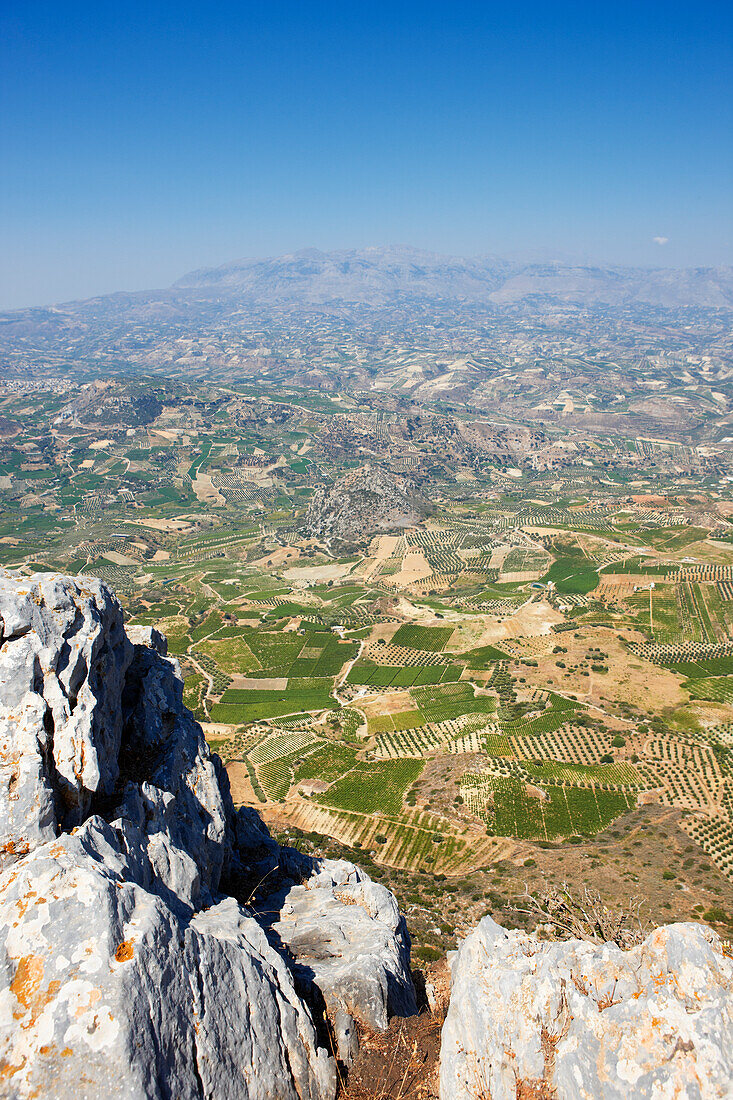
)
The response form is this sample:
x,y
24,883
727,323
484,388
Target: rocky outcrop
x,y
335,917
362,503
140,954
583,1021
63,659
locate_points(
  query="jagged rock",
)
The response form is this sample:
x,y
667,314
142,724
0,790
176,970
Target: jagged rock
x,y
349,941
110,981
125,969
581,1021
63,659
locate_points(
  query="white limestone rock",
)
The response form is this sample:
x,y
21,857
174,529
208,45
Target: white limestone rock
x,y
350,942
172,781
63,659
587,1021
109,987
125,969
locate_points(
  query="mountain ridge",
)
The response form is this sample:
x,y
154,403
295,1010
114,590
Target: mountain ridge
x,y
370,275
312,278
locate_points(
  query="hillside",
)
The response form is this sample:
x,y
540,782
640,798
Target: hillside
x,y
246,318
158,944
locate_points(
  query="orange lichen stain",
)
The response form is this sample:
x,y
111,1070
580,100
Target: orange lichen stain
x,y
66,1052
45,1050
26,985
7,1069
27,981
23,903
125,951
15,848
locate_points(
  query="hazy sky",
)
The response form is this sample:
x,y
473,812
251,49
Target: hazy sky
x,y
138,141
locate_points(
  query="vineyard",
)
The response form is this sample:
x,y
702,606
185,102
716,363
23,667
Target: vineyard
x,y
568,743
718,689
373,787
685,773
465,734
511,808
431,638
369,674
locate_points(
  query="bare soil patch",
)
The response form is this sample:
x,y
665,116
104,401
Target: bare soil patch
x,y
206,491
241,786
629,679
317,574
264,683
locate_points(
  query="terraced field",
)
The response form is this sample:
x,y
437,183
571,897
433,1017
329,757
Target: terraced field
x,y
373,787
415,840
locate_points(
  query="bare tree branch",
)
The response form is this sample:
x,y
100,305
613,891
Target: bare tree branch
x,y
559,914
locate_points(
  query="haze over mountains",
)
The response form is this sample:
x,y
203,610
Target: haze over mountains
x,y
378,276
383,277
350,318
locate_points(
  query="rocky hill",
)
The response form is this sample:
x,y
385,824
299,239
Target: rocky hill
x,y
156,943
583,1021
362,503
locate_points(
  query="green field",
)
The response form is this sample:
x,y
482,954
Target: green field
x,y
572,573
386,676
717,689
238,706
509,810
431,638
373,787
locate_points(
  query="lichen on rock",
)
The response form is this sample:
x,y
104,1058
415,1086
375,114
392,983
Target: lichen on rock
x,y
581,1021
131,965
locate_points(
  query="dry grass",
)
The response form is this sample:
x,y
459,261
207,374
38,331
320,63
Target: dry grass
x,y
401,1063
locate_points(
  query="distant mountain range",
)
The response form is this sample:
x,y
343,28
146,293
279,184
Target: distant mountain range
x,y
208,316
382,276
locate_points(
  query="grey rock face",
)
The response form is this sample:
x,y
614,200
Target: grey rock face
x,y
63,659
587,1021
349,941
107,983
125,968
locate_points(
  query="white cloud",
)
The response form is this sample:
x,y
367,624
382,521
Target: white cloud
x,y
660,240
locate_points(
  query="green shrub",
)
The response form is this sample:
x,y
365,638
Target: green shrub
x,y
427,954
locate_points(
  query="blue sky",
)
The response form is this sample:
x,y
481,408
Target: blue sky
x,y
140,141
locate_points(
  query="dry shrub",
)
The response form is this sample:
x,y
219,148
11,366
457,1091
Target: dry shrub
x,y
561,915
